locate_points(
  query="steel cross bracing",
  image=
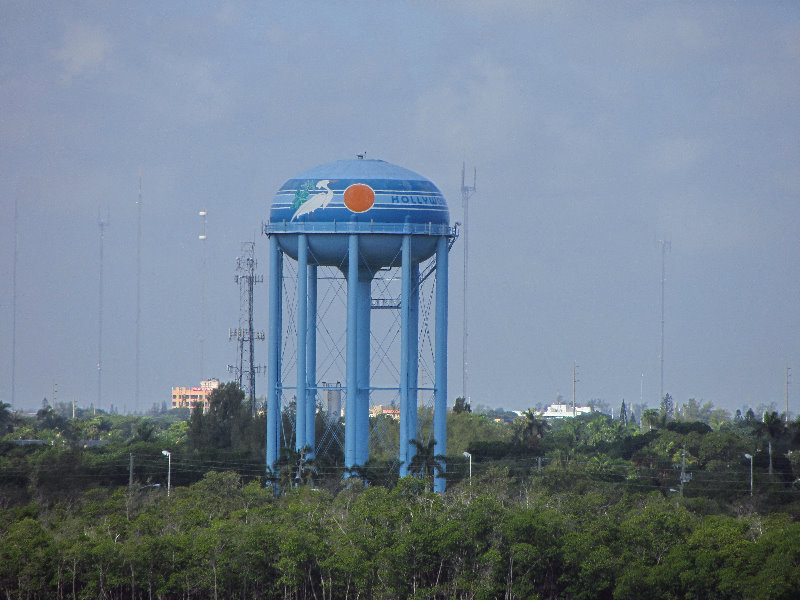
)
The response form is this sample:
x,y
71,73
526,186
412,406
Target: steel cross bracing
x,y
331,342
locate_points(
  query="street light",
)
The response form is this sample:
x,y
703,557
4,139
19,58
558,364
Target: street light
x,y
469,456
750,456
168,454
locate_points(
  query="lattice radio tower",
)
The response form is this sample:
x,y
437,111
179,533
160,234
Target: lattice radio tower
x,y
245,335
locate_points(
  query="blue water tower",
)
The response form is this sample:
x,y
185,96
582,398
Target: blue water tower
x,y
359,216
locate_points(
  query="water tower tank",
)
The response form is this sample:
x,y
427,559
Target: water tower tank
x,y
358,216
370,197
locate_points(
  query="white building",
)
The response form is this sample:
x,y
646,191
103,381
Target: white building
x,y
560,411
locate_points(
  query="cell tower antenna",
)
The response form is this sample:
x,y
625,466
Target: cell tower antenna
x,y
101,224
466,193
14,307
138,286
666,246
202,237
245,335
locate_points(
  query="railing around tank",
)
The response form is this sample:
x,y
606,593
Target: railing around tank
x,y
436,229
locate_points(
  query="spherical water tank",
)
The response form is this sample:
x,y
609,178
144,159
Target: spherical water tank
x,y
377,200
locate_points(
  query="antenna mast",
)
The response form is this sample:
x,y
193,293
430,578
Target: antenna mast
x,y
666,246
14,308
466,193
138,285
202,237
101,225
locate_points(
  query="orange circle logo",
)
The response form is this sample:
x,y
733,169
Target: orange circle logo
x,y
359,197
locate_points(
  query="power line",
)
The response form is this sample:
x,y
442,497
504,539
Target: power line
x,y
734,480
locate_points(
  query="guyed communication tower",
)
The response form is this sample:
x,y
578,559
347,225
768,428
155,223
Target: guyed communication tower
x,y
466,193
101,225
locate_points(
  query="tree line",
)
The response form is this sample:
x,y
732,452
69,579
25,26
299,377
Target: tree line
x,y
587,507
545,537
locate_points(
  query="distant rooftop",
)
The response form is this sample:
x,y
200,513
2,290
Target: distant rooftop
x,y
560,411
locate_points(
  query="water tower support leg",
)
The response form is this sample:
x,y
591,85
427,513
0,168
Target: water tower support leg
x,y
351,381
311,361
362,396
405,356
302,336
440,384
273,370
413,353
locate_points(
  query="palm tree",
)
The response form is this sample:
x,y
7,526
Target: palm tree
x,y
426,462
376,472
6,417
145,431
531,429
772,427
652,417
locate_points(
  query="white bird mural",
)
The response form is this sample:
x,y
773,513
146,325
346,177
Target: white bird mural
x,y
316,201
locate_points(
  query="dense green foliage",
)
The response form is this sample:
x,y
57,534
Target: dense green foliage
x,y
497,538
587,507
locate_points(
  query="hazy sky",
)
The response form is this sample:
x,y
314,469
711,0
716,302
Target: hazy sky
x,y
597,129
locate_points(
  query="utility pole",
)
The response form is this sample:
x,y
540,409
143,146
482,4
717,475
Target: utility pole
x,y
685,477
750,458
466,192
574,381
102,226
168,454
788,375
641,390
